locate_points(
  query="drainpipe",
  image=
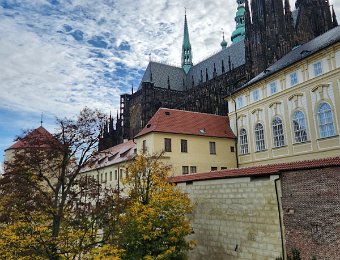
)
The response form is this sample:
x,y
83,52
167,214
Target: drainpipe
x,y
236,150
280,217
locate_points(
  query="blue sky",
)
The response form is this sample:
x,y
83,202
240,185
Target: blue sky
x,y
57,56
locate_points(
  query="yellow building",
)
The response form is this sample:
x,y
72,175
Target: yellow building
x,y
108,167
291,111
192,142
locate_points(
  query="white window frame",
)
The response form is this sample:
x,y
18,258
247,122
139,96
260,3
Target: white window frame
x,y
273,88
259,137
294,78
299,127
243,141
278,133
240,102
325,120
317,68
256,95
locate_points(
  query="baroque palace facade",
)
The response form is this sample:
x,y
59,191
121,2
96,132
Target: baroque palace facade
x,y
265,31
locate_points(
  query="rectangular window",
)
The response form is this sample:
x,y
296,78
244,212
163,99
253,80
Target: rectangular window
x,y
184,146
101,177
273,88
317,68
144,146
185,169
294,79
110,176
116,174
256,95
167,144
212,146
239,102
106,177
213,168
223,168
232,149
193,169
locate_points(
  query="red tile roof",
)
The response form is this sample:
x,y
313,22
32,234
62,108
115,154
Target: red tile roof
x,y
186,122
258,170
38,137
116,154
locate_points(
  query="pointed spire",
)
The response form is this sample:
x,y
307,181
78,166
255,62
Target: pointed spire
x,y
335,21
186,47
238,34
41,119
132,89
224,43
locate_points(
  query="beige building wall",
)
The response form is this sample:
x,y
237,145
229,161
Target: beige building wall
x,y
197,155
235,218
306,96
109,176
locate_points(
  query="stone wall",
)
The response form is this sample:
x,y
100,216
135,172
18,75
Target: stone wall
x,y
235,218
311,205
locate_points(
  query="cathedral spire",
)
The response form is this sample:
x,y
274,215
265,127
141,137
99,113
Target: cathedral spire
x,y
224,43
238,34
186,47
335,21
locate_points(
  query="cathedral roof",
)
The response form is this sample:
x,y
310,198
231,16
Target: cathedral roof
x,y
160,71
299,53
190,123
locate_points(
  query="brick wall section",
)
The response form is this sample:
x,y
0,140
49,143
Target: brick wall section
x,y
311,206
235,218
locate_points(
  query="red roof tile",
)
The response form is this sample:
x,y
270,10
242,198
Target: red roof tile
x,y
38,137
116,154
186,122
258,170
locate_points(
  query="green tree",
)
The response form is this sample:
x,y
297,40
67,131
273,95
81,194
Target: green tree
x,y
155,222
47,208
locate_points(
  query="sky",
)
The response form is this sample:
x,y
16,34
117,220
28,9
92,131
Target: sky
x,y
57,56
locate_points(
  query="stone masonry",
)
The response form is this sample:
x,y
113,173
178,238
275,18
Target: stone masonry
x,y
235,218
311,205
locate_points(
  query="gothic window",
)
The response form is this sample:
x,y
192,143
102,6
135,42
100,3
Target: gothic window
x,y
325,118
259,137
243,141
294,79
278,135
299,124
317,68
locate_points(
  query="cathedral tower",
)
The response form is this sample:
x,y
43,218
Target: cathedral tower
x,y
238,34
186,48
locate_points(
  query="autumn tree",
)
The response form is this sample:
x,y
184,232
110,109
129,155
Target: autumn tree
x,y
47,208
155,222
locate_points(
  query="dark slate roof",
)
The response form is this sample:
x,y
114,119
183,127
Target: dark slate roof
x,y
161,72
236,52
299,53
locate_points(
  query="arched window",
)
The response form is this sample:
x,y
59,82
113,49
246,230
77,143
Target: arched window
x,y
325,118
243,141
279,139
299,123
259,137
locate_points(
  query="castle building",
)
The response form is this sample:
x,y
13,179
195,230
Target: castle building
x,y
265,31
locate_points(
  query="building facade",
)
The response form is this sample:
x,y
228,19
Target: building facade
x,y
291,111
264,33
190,142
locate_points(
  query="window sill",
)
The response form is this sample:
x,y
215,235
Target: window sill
x,y
328,137
244,154
264,150
299,143
278,147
